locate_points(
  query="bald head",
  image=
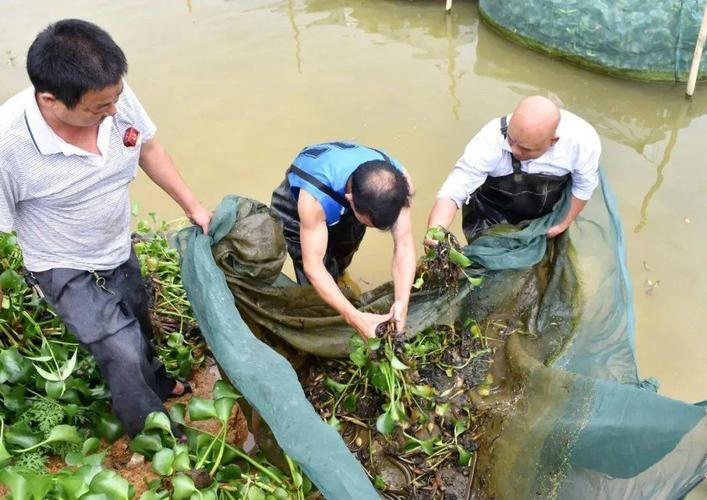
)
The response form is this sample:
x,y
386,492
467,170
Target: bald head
x,y
533,127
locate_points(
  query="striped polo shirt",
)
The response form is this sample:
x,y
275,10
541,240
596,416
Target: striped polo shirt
x,y
70,208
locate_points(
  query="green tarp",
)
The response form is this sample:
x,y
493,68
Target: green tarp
x,y
652,40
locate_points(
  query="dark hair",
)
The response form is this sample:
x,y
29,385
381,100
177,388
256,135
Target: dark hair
x,y
380,191
71,57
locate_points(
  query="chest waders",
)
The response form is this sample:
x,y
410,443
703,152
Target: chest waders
x,y
512,198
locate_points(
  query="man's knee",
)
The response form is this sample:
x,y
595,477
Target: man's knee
x,y
120,353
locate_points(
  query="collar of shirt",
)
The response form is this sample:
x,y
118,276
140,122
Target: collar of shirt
x,y
49,143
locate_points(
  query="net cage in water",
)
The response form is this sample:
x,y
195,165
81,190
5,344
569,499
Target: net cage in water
x,y
647,40
565,415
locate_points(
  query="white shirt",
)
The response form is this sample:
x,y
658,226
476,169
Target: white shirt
x,y
488,154
70,208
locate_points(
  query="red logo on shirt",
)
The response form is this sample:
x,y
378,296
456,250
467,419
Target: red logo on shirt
x,y
130,137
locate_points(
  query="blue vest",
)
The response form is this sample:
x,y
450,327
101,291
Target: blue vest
x,y
332,163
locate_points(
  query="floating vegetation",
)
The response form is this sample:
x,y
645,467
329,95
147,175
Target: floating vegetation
x,y
406,408
444,264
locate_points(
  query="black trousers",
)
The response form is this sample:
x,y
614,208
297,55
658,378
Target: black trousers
x,y
344,237
107,311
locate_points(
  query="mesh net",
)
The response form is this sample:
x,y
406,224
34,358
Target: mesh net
x,y
568,416
647,40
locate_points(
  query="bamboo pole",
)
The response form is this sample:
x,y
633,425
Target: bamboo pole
x,y
449,6
697,56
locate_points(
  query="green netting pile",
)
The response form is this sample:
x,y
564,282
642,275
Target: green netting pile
x,y
568,418
651,40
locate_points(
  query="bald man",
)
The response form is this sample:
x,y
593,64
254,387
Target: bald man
x,y
517,167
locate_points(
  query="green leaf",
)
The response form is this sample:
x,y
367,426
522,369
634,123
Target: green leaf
x,y
464,456
374,344
397,364
223,389
110,483
459,258
8,242
385,423
379,483
162,462
418,283
95,459
54,390
97,496
436,234
10,281
153,495
91,445
359,358
47,375
201,409
474,281
18,485
177,412
146,444
224,407
424,391
108,427
40,485
181,461
64,433
182,487
74,458
229,473
351,402
13,366
335,423
280,494
73,486
255,493
442,409
335,386
22,436
459,428
428,445
68,368
356,342
15,399
475,331
209,494
4,454
158,420
377,377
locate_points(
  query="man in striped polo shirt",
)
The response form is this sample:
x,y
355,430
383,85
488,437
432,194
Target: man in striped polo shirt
x,y
69,147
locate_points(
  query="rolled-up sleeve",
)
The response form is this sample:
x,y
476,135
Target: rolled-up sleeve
x,y
481,156
585,176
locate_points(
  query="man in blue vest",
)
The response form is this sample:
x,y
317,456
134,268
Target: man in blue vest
x,y
331,193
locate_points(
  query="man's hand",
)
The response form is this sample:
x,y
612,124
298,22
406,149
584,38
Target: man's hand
x,y
557,229
400,313
366,323
200,216
576,206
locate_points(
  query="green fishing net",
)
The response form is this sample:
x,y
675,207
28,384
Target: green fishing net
x,y
648,40
568,417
